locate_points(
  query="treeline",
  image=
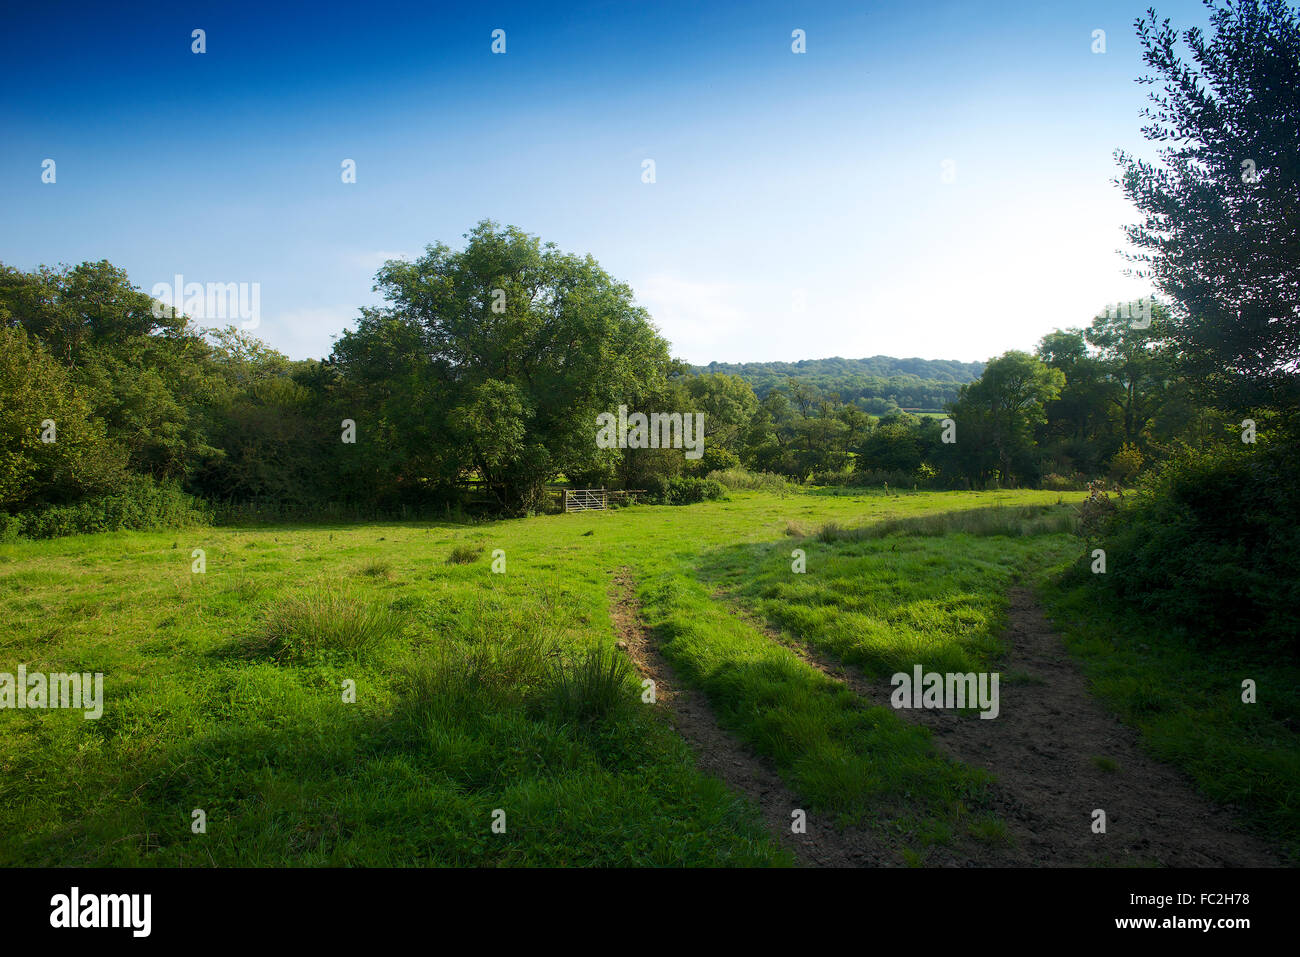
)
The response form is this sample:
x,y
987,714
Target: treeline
x,y
480,382
1101,401
879,385
489,364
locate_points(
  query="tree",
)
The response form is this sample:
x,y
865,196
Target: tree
x,y
1078,432
897,444
1135,362
509,327
996,414
728,403
73,309
1220,233
52,450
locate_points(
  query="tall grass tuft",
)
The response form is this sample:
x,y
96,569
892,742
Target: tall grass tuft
x,y
377,569
464,554
478,672
593,687
326,618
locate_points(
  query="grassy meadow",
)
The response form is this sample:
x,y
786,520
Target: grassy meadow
x,y
479,693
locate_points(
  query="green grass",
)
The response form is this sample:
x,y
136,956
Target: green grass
x,y
886,597
477,691
884,601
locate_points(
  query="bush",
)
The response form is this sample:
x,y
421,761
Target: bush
x,y
714,459
1098,510
742,478
1126,463
687,491
142,505
1211,545
1012,521
876,478
1055,482
656,487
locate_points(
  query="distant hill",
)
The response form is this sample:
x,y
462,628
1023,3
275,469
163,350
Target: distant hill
x,y
877,384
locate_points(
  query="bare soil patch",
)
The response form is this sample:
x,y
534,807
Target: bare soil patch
x,y
1058,755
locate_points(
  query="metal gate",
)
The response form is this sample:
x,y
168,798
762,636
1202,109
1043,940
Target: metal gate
x,y
582,499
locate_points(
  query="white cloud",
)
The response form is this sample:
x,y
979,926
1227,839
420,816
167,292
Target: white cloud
x,y
307,333
698,318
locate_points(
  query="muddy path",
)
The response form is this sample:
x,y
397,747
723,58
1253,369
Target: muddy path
x,y
721,755
1058,755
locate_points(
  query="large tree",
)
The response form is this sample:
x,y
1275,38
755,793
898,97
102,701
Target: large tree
x,y
1220,233
728,404
996,415
514,348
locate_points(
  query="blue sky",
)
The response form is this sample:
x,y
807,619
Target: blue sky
x,y
800,208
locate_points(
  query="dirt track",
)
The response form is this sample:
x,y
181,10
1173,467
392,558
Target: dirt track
x,y
1056,753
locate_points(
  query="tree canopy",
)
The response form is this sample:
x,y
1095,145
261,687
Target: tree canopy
x,y
1220,227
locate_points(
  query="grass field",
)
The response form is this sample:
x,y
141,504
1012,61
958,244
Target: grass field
x,y
484,696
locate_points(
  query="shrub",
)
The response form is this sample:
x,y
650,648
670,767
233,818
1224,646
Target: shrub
x,y
1097,511
875,478
1125,464
742,478
1055,482
714,459
656,487
687,491
830,477
1014,522
1211,544
142,505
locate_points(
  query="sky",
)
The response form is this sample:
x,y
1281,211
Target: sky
x,y
931,179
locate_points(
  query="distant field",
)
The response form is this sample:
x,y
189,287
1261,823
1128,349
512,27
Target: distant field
x,y
475,692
